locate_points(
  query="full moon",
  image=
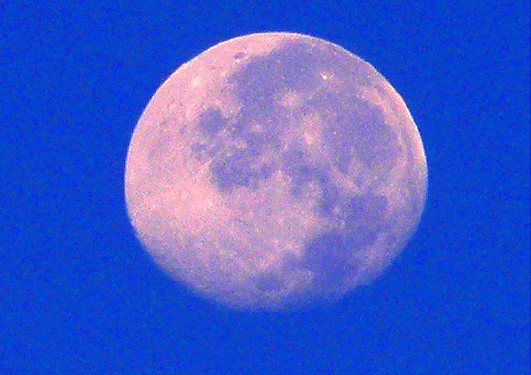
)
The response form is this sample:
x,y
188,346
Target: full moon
x,y
275,170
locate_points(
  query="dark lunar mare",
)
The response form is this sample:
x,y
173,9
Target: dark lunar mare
x,y
328,256
355,128
291,67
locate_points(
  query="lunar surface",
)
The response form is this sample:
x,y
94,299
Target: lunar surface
x,y
275,170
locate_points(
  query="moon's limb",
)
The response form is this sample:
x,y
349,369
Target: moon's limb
x,y
275,170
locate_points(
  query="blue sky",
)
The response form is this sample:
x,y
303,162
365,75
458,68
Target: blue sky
x,y
78,294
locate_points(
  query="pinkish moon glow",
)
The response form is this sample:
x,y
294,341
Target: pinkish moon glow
x,y
275,170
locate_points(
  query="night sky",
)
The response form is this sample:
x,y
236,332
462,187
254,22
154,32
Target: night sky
x,y
78,295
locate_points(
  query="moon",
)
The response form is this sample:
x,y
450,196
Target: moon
x,y
273,171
